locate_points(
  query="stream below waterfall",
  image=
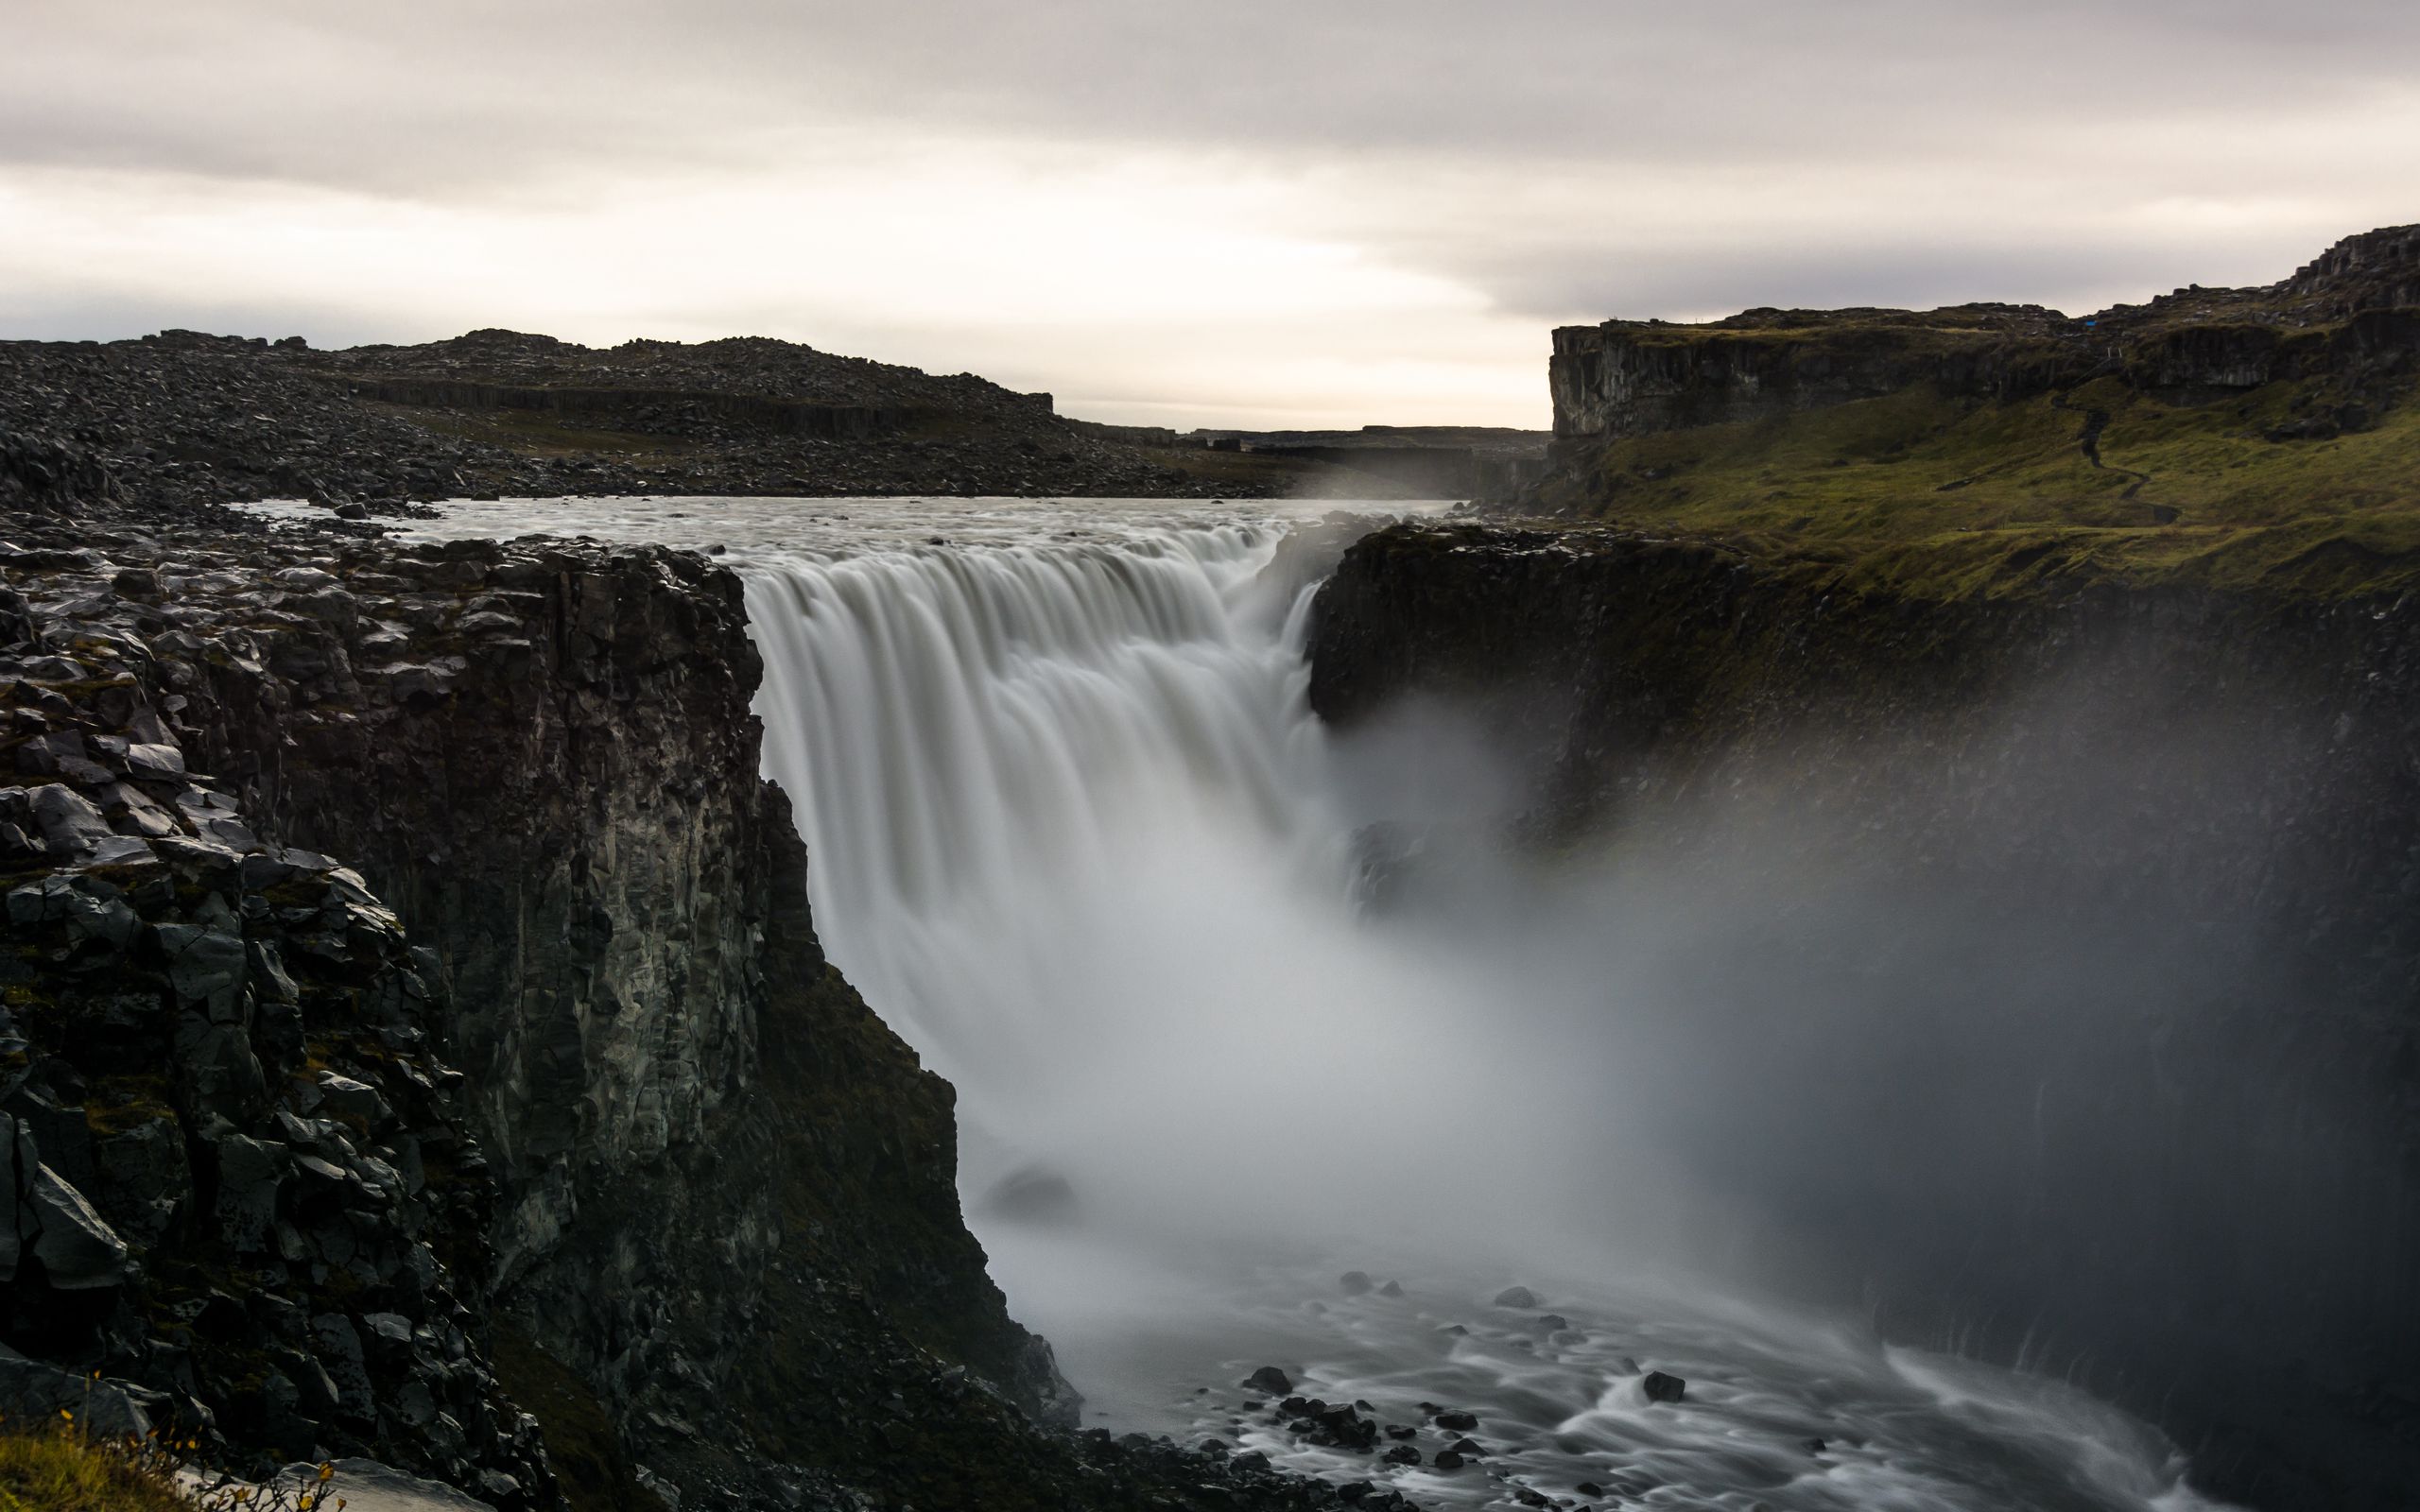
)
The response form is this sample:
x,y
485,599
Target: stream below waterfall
x,y
1075,836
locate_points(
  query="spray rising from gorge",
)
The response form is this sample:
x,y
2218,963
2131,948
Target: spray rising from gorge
x,y
1233,1005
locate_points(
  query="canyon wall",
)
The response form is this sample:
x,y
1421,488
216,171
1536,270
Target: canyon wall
x,y
2067,1009
2348,318
592,1173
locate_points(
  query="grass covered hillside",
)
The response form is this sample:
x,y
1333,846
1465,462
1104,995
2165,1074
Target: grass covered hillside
x,y
2230,436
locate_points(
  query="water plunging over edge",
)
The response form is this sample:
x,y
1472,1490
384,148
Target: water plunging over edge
x,y
1074,834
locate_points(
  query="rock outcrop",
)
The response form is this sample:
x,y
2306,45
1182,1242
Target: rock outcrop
x,y
452,1075
187,419
2212,788
2348,318
245,1187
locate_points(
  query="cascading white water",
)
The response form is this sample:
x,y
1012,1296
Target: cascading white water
x,y
975,736
1073,834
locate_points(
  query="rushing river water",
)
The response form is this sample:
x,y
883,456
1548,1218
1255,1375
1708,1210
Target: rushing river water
x,y
1075,836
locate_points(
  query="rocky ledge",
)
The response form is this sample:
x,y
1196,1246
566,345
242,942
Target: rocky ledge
x,y
416,1045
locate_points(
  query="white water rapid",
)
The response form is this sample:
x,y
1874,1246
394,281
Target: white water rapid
x,y
1075,836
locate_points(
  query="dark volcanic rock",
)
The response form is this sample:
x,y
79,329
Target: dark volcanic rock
x,y
1661,1387
2111,764
182,418
601,1137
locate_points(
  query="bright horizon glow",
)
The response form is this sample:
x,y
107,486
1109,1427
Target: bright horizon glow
x,y
1368,215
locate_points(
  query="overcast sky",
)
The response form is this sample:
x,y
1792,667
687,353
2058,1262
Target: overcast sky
x,y
1256,212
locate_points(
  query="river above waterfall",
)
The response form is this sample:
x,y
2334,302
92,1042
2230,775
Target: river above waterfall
x,y
1075,834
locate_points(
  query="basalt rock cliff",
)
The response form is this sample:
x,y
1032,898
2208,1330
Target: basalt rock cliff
x,y
2348,316
417,1046
2200,408
2087,1027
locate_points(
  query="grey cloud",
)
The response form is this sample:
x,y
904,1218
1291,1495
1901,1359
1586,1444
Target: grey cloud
x,y
447,94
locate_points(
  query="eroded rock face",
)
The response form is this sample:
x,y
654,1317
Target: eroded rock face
x,y
2348,317
2201,787
702,1201
231,1140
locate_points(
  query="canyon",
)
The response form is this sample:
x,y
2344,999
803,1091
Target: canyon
x,y
1995,729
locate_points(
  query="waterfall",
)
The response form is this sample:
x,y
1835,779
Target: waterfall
x,y
1073,832
975,738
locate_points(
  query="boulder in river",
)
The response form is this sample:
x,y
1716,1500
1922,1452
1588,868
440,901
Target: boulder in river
x,y
1354,1282
1271,1379
1457,1421
1516,1297
1662,1387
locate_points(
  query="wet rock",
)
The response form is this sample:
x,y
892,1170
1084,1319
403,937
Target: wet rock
x,y
1269,1380
1466,1448
1519,1297
1354,1282
1448,1459
1456,1421
1391,1288
1552,1323
1662,1387
1402,1454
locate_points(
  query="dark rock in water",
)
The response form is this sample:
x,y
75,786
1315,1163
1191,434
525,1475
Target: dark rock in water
x,y
1455,1329
1402,1454
1340,1427
1466,1448
1354,1490
1402,1431
1294,1405
1447,1459
1456,1421
1516,1297
1661,1387
1552,1323
1624,1364
1249,1461
1815,1446
1354,1282
1391,1288
1215,1448
1589,1488
1031,1194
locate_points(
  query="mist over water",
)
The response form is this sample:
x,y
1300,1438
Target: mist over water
x,y
1075,836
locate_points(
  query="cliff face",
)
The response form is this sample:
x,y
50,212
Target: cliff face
x,y
544,760
2191,1154
2348,315
605,1182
